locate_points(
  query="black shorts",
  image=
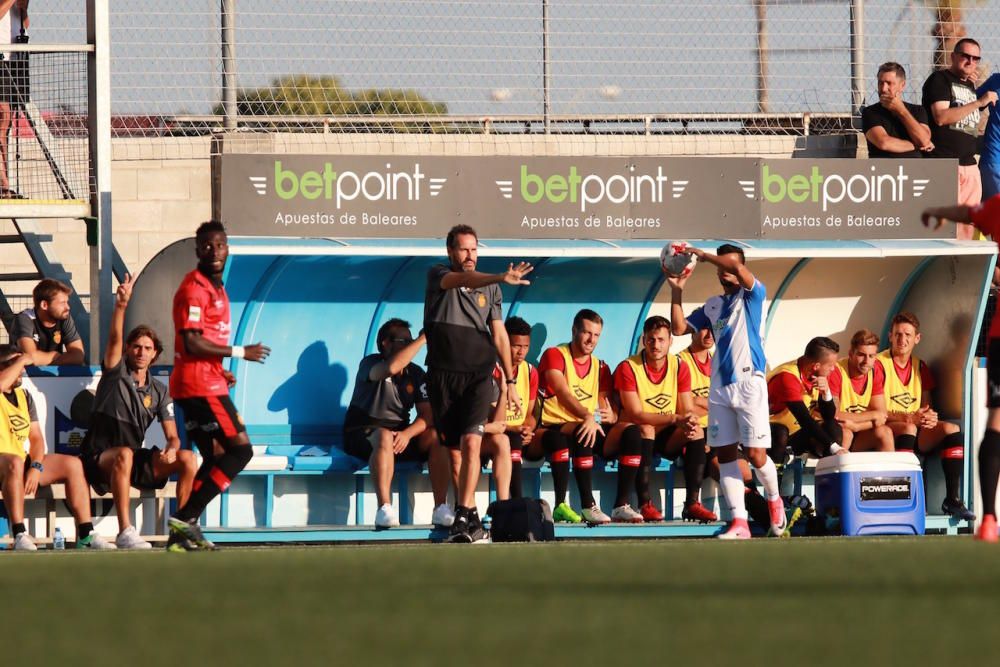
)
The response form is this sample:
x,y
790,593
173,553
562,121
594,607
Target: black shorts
x,y
460,403
208,418
106,432
361,442
993,373
142,471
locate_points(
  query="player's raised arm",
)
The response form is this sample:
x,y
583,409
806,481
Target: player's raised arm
x,y
116,334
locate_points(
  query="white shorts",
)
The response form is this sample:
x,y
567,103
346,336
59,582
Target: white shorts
x,y
738,413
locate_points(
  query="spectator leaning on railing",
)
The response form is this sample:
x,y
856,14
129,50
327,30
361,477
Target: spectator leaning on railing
x,y
953,107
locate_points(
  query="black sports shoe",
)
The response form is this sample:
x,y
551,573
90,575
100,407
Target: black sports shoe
x,y
957,509
459,531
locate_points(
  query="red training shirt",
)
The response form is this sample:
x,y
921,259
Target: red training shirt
x,y
201,306
986,218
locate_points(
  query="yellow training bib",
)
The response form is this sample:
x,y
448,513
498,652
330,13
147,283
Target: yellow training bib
x,y
810,398
15,422
584,388
700,382
851,400
901,397
656,397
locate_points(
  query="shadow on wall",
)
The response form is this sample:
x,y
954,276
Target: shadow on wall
x,y
539,336
313,396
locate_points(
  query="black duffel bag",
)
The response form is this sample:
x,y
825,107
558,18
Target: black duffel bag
x,y
521,520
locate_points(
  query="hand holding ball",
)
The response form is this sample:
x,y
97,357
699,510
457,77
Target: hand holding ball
x,y
675,261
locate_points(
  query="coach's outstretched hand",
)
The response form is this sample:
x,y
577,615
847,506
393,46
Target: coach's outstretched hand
x,y
515,274
124,291
256,352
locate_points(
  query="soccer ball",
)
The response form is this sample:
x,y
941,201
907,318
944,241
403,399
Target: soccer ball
x,y
676,263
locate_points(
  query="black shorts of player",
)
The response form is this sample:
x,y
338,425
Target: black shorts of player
x,y
460,403
143,476
208,418
993,373
598,447
361,442
662,439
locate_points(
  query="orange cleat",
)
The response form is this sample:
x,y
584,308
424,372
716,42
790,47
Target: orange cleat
x,y
649,513
987,529
698,512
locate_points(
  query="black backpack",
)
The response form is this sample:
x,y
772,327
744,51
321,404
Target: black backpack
x,y
521,520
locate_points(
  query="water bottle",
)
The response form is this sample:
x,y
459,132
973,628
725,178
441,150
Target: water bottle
x,y
59,540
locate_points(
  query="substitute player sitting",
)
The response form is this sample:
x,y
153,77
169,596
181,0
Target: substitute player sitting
x,y
520,426
861,408
656,417
915,424
127,401
575,387
21,476
801,401
377,427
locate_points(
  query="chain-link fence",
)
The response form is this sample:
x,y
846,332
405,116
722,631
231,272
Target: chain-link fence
x,y
575,67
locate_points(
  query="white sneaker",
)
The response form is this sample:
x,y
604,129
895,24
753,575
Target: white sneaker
x,y
23,542
130,539
443,516
625,514
386,517
594,515
95,542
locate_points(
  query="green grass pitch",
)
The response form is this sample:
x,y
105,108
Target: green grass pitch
x,y
912,601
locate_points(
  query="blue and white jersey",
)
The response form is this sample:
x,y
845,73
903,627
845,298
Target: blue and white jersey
x,y
737,321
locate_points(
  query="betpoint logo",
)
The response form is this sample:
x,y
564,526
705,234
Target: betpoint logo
x,y
345,186
872,188
590,189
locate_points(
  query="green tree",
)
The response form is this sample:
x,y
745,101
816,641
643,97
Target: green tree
x,y
304,95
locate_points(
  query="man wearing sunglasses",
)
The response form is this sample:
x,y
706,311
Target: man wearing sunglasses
x,y
953,108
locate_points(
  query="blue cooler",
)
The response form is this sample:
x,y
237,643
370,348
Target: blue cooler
x,y
872,493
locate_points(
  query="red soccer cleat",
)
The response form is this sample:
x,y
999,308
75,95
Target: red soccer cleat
x,y
987,529
738,530
649,513
698,512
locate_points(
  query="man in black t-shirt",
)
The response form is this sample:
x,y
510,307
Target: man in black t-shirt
x,y
953,108
465,335
894,128
47,331
126,402
377,428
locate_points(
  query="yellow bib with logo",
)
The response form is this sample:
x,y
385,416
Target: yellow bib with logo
x,y
658,398
901,397
850,400
810,398
522,387
584,388
699,381
16,422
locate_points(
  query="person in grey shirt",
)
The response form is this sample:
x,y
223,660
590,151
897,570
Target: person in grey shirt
x,y
47,331
377,427
127,401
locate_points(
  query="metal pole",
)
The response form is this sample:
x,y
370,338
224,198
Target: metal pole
x,y
229,64
546,101
99,126
763,57
857,56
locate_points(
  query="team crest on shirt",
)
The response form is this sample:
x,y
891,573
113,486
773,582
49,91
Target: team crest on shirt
x,y
409,389
147,401
660,401
906,400
581,395
481,300
57,337
18,423
194,313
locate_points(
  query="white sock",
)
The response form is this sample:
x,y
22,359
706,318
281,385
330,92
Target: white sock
x,y
767,475
731,481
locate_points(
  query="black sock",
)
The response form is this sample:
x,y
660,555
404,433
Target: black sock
x,y
583,462
757,506
695,458
645,468
215,481
952,453
83,530
557,452
629,463
906,443
989,469
17,529
516,490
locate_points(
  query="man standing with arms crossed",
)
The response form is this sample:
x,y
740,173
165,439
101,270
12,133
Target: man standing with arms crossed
x,y
200,386
465,333
737,402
